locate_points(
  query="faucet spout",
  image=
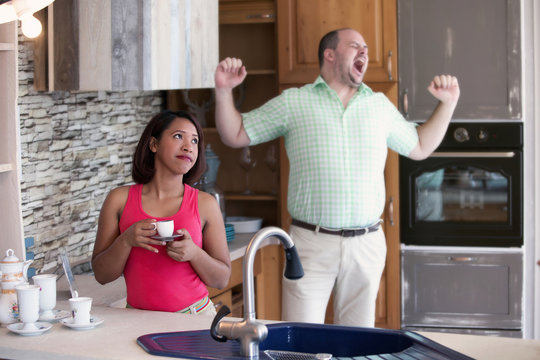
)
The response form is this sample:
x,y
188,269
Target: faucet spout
x,y
250,332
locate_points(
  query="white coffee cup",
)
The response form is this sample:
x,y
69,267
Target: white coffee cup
x,y
28,302
80,309
165,228
47,294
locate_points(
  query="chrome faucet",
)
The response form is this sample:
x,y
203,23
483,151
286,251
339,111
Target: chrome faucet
x,y
250,332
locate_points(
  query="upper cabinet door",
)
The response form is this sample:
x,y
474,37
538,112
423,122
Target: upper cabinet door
x,y
302,23
478,41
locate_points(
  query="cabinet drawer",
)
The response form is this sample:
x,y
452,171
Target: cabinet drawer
x,y
237,275
245,12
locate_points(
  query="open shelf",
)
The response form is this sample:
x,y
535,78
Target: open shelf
x,y
252,197
5,168
7,46
233,12
262,72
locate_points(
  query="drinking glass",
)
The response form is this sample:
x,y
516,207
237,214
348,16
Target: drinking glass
x,y
247,162
271,161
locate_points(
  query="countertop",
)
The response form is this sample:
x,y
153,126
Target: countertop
x,y
116,338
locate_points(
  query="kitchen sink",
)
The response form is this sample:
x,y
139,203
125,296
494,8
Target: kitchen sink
x,y
343,342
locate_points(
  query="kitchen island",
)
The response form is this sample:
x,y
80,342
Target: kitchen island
x,y
116,338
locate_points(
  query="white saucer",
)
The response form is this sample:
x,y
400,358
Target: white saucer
x,y
166,238
41,327
57,315
94,321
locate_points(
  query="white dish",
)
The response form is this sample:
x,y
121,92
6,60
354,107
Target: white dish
x,y
166,238
244,224
94,321
58,315
41,327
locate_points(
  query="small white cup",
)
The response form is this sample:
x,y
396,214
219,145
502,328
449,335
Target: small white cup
x,y
47,294
28,302
165,228
80,309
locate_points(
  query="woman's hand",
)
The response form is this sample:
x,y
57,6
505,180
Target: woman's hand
x,y
138,235
183,249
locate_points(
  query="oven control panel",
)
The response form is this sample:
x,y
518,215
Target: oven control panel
x,y
461,134
483,136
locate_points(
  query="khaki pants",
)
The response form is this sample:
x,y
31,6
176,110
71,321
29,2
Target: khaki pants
x,y
350,266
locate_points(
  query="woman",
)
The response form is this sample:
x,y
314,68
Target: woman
x,y
164,276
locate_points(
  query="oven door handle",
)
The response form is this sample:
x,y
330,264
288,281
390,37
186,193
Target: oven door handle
x,y
473,154
462,258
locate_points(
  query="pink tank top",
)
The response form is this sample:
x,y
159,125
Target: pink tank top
x,y
154,281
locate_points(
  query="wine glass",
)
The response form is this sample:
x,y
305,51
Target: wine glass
x,y
271,161
247,162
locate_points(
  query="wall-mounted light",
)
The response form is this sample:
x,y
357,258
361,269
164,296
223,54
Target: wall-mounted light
x,y
24,11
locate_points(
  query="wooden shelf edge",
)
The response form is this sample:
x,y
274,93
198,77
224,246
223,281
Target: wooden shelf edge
x,y
5,168
248,21
253,197
7,46
262,72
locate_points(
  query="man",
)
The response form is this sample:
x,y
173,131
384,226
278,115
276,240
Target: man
x,y
336,132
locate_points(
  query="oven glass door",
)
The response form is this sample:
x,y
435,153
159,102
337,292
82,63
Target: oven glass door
x,y
462,198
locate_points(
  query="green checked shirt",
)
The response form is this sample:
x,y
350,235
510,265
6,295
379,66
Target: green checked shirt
x,y
337,155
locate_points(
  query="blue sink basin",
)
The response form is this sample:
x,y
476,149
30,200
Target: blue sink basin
x,y
340,341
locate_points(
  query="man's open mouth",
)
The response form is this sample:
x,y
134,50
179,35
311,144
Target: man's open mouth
x,y
359,65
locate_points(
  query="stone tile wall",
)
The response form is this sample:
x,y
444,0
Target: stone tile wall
x,y
75,147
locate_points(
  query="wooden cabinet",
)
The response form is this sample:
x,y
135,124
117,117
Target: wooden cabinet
x,y
302,23
388,300
267,273
10,205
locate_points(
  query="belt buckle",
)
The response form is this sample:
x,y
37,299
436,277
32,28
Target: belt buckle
x,y
348,233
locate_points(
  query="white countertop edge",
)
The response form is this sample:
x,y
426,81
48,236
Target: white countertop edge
x,y
116,338
238,246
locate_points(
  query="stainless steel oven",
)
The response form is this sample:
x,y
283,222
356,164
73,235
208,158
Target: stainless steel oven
x,y
462,232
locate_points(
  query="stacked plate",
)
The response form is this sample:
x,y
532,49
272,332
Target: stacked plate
x,y
229,231
244,224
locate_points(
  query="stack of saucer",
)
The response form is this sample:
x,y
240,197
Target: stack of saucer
x,y
229,231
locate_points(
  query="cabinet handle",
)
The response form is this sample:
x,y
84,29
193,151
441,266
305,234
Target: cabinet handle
x,y
260,16
391,210
389,65
462,258
405,104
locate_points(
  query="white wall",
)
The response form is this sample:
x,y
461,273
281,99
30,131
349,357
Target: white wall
x,y
536,179
531,113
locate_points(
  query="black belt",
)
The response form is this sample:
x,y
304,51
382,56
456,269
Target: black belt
x,y
344,232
